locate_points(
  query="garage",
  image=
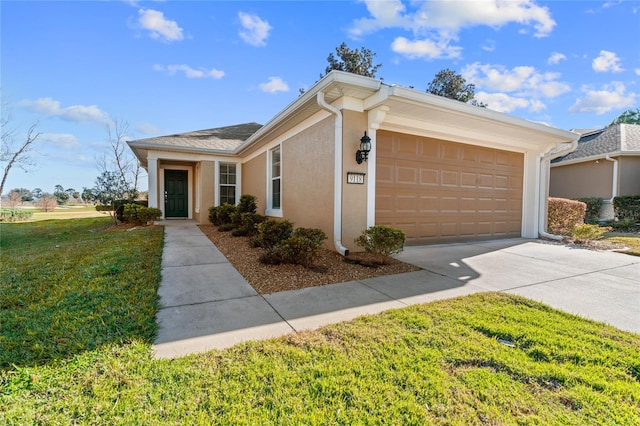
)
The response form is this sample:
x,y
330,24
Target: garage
x,y
442,191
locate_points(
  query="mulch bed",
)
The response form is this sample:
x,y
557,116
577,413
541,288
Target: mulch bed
x,y
329,267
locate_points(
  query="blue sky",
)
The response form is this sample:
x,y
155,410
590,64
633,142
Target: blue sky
x,y
168,67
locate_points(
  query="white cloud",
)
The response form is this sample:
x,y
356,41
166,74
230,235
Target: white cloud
x,y
425,49
607,61
637,70
190,72
274,85
60,140
611,96
76,113
435,23
489,46
159,26
522,80
556,58
254,31
502,102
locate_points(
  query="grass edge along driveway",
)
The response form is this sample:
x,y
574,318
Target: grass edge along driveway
x,y
485,358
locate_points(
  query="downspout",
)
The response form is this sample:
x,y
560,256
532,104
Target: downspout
x,y
337,183
545,161
614,189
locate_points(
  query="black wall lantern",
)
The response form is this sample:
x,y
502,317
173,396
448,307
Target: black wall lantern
x,y
365,146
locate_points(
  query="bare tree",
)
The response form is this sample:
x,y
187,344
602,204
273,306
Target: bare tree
x,y
47,202
12,154
119,158
14,199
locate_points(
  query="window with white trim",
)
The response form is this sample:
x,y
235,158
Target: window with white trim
x,y
227,183
275,188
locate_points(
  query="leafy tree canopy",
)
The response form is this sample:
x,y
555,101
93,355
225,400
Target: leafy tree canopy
x,y
630,116
452,85
355,61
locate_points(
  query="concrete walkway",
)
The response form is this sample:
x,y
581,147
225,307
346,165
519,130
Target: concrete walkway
x,y
206,304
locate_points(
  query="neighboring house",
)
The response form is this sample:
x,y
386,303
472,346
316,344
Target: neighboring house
x,y
439,169
605,164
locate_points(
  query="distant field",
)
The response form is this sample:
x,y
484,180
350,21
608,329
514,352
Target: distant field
x,y
66,212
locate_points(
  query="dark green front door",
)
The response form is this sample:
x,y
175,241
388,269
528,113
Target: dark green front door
x,y
176,197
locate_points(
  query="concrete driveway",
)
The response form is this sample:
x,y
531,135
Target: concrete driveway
x,y
206,304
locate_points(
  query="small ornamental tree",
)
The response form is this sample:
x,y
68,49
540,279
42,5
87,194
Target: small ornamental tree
x,y
110,187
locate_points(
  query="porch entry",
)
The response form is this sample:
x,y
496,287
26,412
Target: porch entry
x,y
176,196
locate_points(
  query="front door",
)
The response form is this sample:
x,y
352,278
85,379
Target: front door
x,y
176,197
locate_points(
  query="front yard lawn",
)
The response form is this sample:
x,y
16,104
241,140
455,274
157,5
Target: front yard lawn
x,y
487,358
632,241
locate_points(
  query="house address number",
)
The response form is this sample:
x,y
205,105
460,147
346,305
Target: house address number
x,y
355,178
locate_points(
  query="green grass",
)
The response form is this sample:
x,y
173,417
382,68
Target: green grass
x,y
439,363
68,286
630,240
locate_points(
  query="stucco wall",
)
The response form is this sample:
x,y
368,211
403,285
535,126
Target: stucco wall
x,y
588,179
206,187
254,173
629,175
354,196
307,177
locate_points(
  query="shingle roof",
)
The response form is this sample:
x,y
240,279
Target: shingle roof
x,y
222,138
616,138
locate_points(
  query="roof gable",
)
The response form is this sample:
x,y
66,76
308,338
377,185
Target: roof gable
x,y
609,140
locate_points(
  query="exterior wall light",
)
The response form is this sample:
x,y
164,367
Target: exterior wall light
x,y
365,146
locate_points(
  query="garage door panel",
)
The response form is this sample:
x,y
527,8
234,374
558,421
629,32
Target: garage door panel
x,y
448,191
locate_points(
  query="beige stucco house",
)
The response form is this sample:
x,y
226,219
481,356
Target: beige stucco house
x,y
605,164
439,169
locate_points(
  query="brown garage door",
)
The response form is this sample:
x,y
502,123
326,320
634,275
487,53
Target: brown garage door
x,y
441,191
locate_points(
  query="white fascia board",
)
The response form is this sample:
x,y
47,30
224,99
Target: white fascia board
x,y
484,113
459,134
349,103
179,149
159,154
596,157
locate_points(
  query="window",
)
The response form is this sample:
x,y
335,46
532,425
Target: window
x,y
276,180
227,183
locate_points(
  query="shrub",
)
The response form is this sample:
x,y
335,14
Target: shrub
x,y
564,215
271,232
627,207
301,248
15,215
382,240
586,232
139,214
592,213
226,227
624,225
224,214
119,207
213,215
247,204
248,224
149,214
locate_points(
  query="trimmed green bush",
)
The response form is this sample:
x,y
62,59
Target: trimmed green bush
x,y
226,227
139,214
585,232
15,215
592,213
271,232
247,204
627,207
564,215
301,248
248,224
382,240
